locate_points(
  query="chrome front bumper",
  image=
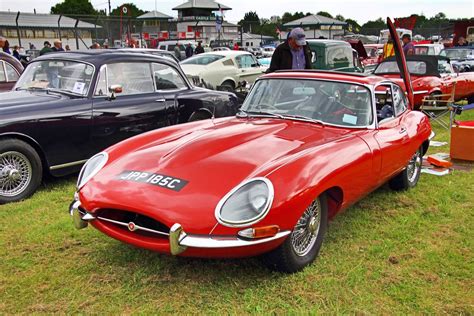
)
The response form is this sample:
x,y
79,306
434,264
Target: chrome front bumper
x,y
178,239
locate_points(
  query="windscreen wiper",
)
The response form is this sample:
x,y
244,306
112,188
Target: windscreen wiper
x,y
256,113
303,118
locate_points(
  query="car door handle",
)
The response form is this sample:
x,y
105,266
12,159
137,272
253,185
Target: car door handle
x,y
403,130
160,100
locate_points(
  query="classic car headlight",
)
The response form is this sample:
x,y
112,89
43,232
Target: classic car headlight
x,y
91,167
246,204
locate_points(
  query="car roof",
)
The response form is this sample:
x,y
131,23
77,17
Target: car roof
x,y
326,75
226,53
98,57
12,60
327,42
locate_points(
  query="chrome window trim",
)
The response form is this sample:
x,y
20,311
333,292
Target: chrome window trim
x,y
256,219
5,69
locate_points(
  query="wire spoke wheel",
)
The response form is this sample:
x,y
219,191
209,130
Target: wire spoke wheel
x,y
414,166
15,173
306,231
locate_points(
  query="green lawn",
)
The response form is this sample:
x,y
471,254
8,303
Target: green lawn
x,y
391,253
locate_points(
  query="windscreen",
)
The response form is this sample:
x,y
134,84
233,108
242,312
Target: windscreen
x,y
391,67
202,60
328,102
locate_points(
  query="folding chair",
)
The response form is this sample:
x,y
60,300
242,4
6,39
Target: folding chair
x,y
437,106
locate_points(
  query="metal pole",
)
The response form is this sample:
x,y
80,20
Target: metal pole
x,y
59,26
95,27
76,33
18,28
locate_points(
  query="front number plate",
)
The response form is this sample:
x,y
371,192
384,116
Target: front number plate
x,y
160,180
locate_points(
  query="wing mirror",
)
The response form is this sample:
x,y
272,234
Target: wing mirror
x,y
114,89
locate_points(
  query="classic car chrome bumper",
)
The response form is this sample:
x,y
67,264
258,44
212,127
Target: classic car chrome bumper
x,y
178,239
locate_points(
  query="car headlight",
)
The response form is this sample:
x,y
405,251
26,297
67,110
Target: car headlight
x,y
91,167
246,204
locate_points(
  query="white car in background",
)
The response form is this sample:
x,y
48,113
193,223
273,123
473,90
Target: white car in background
x,y
267,51
428,49
223,68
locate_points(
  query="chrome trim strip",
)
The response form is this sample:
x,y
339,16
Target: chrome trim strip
x,y
222,242
420,92
69,164
136,227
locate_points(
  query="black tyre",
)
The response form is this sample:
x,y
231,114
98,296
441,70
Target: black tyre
x,y
409,177
20,170
228,86
302,246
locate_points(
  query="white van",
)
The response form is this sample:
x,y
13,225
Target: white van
x,y
170,45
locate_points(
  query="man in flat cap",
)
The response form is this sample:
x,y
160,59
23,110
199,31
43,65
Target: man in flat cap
x,y
293,53
46,48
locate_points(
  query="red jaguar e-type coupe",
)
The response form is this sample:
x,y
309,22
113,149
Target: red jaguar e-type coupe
x,y
305,145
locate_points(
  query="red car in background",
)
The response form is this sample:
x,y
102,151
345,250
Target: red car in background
x,y
305,146
10,71
430,76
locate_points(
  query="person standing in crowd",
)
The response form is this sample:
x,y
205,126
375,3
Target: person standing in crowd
x,y
57,46
6,47
46,48
461,41
236,46
67,48
293,53
189,50
16,52
2,42
408,47
388,49
199,49
177,51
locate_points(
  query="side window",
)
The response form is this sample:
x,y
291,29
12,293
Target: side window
x,y
399,100
245,61
384,102
12,75
167,78
101,88
339,57
163,47
171,47
133,77
3,78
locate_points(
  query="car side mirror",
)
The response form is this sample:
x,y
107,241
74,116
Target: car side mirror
x,y
114,89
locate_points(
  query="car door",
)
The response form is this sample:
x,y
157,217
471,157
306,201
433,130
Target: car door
x,y
136,109
170,83
248,68
392,133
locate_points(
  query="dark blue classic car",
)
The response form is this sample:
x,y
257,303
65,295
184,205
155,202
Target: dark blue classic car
x,y
68,106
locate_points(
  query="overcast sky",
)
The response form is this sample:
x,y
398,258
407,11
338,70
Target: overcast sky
x,y
360,10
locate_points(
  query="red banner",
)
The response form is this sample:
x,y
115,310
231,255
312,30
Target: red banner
x,y
406,23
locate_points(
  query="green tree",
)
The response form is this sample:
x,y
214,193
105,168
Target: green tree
x,y
324,13
340,18
250,22
74,7
353,26
373,27
133,10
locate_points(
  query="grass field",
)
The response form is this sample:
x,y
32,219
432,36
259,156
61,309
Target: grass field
x,y
391,253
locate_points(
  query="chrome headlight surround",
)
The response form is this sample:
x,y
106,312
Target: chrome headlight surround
x,y
91,167
231,195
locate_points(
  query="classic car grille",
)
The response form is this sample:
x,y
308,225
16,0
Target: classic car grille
x,y
133,222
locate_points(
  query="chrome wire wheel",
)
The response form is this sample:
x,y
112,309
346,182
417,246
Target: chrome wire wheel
x,y
414,167
15,173
306,231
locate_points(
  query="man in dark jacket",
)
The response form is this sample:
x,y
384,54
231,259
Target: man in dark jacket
x,y
292,54
189,50
199,49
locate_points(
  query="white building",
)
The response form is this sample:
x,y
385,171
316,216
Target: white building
x,y
316,26
36,28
